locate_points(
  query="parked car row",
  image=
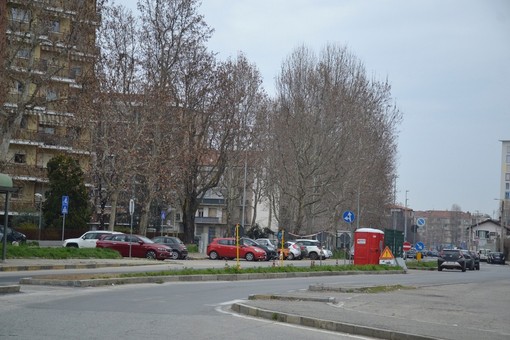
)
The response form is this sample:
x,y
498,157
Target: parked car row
x,y
458,259
160,247
226,248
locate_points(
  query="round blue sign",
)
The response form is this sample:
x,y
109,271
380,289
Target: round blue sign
x,y
419,246
349,216
420,222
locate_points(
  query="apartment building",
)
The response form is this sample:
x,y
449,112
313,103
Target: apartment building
x,y
48,57
444,228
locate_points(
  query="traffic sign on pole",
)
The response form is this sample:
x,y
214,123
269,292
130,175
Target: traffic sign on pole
x,y
65,205
406,246
348,216
419,246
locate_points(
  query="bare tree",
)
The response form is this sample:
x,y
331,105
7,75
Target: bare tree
x,y
28,82
333,130
115,120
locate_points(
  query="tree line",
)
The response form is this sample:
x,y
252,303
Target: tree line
x,y
169,123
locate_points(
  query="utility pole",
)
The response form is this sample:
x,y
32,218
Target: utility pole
x,y
502,222
405,218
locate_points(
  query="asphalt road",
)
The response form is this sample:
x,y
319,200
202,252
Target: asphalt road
x,y
467,304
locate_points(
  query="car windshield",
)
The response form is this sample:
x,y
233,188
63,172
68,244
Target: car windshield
x,y
250,242
145,239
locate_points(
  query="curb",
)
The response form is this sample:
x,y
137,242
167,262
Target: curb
x,y
334,326
9,289
290,298
64,266
186,278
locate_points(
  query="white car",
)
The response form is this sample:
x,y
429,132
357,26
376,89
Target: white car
x,y
313,247
87,240
266,242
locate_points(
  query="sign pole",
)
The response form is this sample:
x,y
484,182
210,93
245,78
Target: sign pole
x,y
65,210
63,224
131,212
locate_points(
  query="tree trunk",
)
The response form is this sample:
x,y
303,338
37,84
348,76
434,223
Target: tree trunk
x,y
113,211
144,218
188,211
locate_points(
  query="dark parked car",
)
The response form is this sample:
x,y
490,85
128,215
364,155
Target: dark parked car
x,y
271,253
470,260
411,254
179,249
140,246
496,257
476,259
12,235
451,259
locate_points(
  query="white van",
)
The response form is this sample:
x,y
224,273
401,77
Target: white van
x,y
484,253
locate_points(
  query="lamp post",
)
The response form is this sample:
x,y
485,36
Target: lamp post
x,y
405,218
39,199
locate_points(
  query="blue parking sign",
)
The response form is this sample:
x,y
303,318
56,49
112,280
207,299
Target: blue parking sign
x,y
65,205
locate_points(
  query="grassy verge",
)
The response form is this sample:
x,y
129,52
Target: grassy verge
x,y
285,269
425,265
58,253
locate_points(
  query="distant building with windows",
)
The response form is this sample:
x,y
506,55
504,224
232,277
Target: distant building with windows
x,y
46,60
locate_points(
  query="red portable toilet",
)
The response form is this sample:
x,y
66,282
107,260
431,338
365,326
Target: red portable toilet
x,y
368,245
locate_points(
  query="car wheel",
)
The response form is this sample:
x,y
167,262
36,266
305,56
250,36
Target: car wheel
x,y
213,255
439,268
290,257
175,255
249,257
313,256
151,255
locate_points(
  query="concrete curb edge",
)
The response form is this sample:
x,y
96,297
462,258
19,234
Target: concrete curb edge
x,y
334,326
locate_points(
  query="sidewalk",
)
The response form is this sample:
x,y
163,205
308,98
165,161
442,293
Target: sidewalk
x,y
419,314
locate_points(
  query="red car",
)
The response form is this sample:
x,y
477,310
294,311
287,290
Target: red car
x,y
141,246
226,248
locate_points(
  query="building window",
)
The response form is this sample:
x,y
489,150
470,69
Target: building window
x,y
507,186
75,72
23,53
47,129
20,158
55,26
507,195
24,122
19,87
483,234
177,216
508,159
19,14
51,94
200,212
19,192
507,176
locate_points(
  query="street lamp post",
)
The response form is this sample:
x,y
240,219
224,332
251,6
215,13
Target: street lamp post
x,y
405,218
39,198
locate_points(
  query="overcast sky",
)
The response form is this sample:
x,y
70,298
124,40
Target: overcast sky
x,y
448,63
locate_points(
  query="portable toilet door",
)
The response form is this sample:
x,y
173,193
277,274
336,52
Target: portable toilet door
x,y
368,245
